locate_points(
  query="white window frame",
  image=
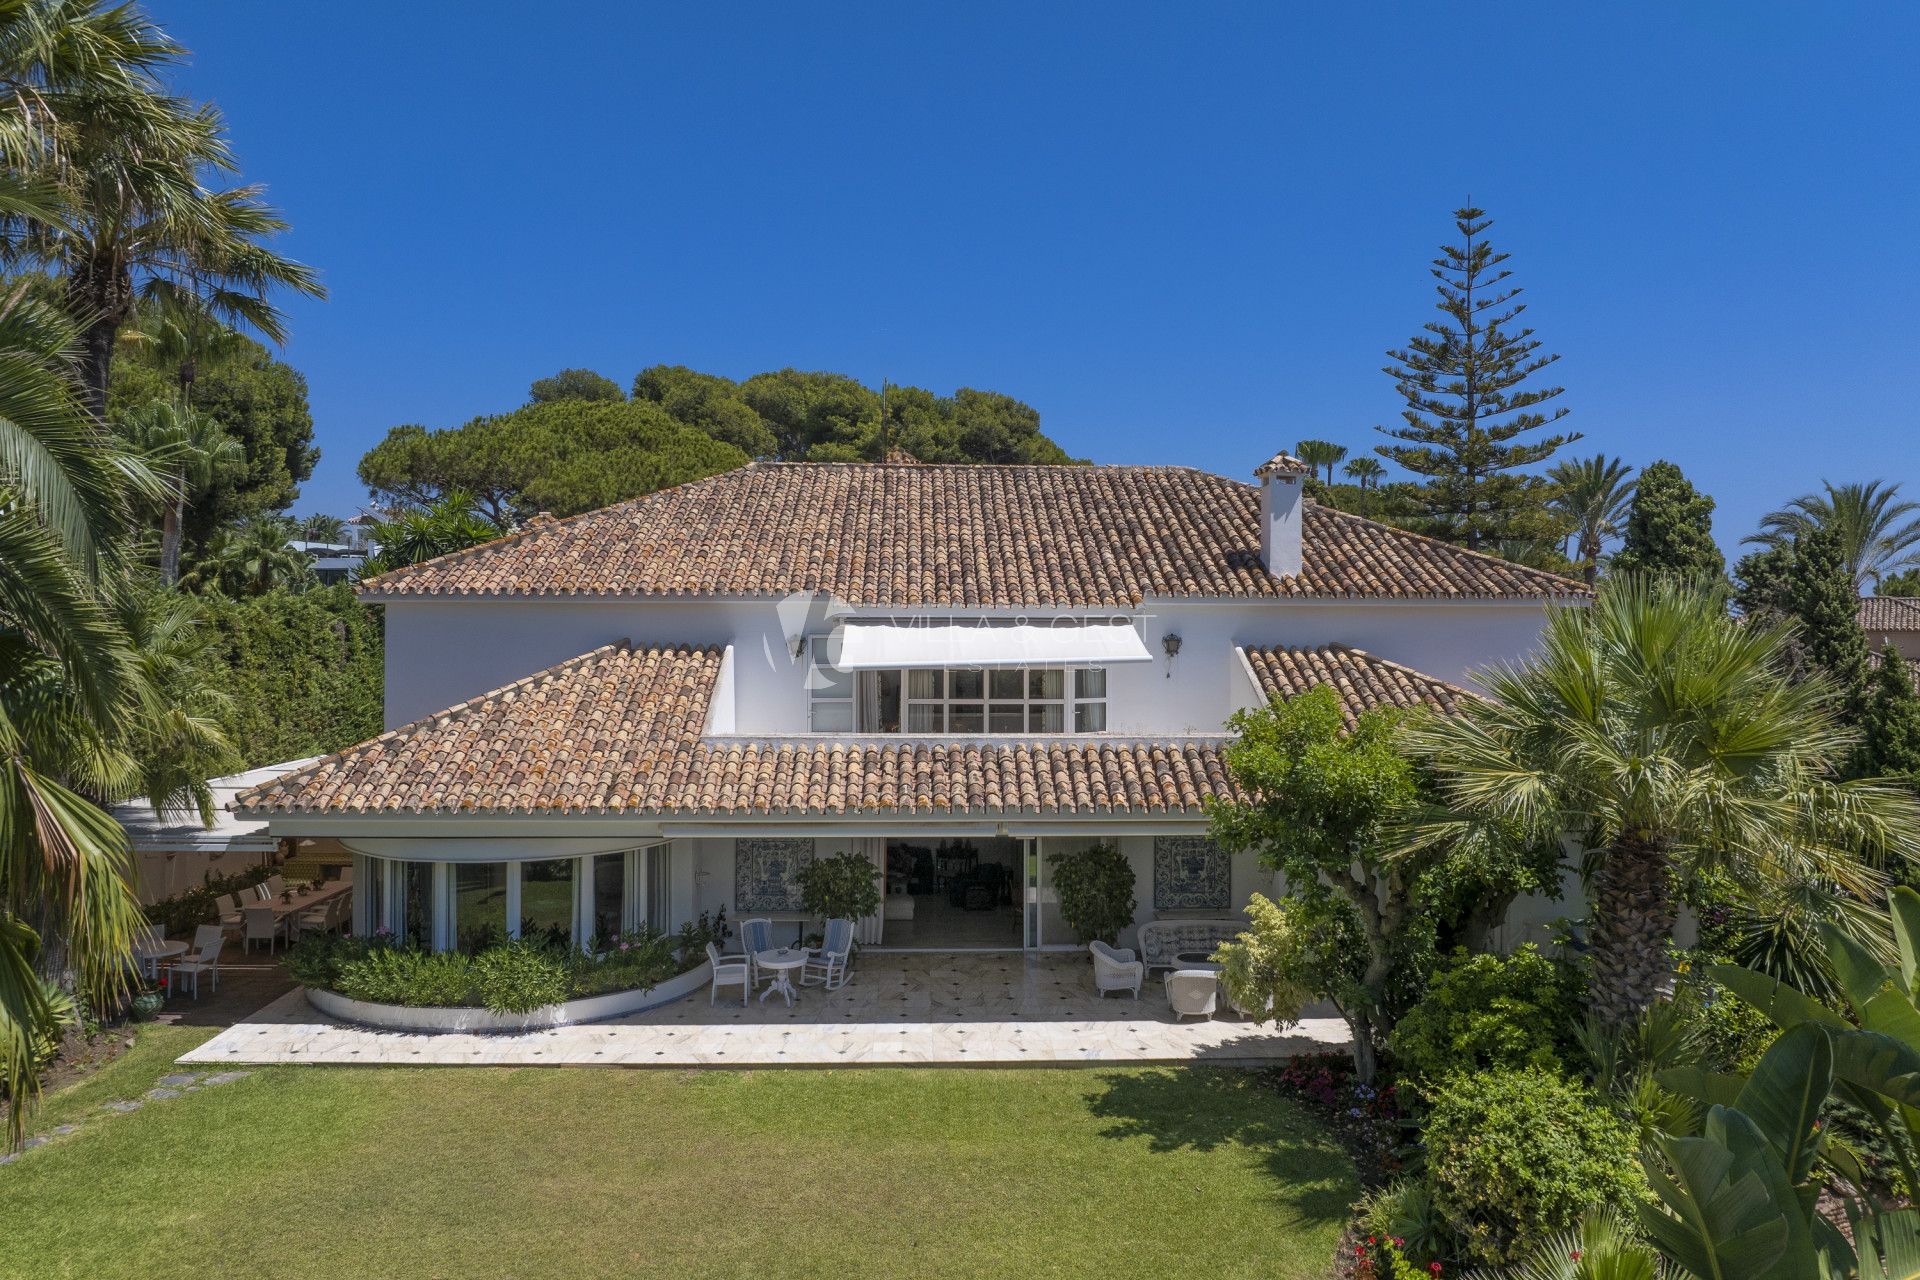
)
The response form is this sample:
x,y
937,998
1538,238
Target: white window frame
x,y
1067,704
825,686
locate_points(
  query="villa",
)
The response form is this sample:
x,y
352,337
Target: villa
x,y
665,707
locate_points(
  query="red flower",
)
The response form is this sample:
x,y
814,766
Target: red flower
x,y
1575,1255
1434,1267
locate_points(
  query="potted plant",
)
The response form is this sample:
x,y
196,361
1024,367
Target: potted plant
x,y
842,887
1095,885
147,1002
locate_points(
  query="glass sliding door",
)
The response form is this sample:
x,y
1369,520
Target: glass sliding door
x,y
546,901
416,903
608,896
479,904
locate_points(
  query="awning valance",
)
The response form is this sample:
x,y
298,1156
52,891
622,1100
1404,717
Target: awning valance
x,y
879,646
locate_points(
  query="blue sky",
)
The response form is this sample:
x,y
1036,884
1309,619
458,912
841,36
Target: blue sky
x,y
1185,233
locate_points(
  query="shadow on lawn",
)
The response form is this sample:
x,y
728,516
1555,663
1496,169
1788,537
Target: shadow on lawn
x,y
1203,1109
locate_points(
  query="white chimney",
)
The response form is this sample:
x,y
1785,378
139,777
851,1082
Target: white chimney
x,y
1280,477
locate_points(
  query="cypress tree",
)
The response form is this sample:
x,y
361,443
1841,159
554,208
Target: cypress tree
x,y
1820,592
1466,405
1670,529
1891,724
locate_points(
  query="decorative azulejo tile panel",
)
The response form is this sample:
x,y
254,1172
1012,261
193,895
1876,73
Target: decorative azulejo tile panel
x,y
766,874
1190,873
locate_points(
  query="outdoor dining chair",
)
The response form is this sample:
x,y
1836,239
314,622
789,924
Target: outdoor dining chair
x,y
231,909
827,963
756,935
207,942
728,970
262,925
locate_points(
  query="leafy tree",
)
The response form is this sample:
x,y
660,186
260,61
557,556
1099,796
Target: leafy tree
x,y
249,560
1327,801
1594,496
708,402
1670,528
564,456
1658,733
258,402
1906,584
1877,532
178,338
190,454
1366,471
421,533
1320,453
1890,728
574,384
1095,887
844,886
1470,417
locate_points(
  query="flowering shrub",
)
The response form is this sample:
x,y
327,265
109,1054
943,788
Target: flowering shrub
x,y
1366,1118
1379,1257
1514,1156
1485,1012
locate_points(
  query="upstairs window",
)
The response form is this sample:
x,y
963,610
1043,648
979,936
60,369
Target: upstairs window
x,y
832,691
962,701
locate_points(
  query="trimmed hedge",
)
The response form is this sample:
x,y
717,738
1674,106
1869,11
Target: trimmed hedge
x,y
305,673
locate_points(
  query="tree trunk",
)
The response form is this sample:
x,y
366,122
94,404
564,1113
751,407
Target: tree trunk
x,y
1475,931
1632,924
96,364
170,540
103,290
1366,1061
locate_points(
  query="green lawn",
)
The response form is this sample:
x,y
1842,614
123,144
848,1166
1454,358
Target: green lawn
x,y
553,1172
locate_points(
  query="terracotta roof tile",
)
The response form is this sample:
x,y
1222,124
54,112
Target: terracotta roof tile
x,y
1362,680
1889,613
618,730
928,535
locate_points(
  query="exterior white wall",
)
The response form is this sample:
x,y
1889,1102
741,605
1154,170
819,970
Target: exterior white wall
x,y
443,652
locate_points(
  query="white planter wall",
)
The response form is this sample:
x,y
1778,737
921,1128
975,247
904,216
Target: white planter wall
x,y
396,1017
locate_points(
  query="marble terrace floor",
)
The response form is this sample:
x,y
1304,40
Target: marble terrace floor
x,y
904,1009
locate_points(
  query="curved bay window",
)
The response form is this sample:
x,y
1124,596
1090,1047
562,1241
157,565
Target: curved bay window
x,y
469,906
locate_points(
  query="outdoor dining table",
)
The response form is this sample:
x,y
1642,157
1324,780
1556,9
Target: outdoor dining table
x,y
782,963
303,901
152,954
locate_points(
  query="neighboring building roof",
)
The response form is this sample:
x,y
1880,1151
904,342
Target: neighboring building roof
x,y
932,535
180,830
618,730
1889,613
1362,680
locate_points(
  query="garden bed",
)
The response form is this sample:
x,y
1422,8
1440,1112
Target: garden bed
x,y
596,1008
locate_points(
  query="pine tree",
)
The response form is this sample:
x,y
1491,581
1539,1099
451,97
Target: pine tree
x,y
1670,529
1820,593
1462,380
1891,725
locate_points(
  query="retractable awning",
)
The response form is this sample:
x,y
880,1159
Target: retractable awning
x,y
879,646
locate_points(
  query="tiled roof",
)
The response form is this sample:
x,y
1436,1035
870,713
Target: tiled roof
x,y
618,730
1889,613
926,535
1362,680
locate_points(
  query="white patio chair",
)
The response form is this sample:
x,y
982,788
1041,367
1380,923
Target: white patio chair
x,y
728,970
262,925
205,959
260,892
827,963
1192,993
756,935
1116,969
276,885
230,913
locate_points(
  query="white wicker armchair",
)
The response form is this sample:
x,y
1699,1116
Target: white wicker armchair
x,y
1116,970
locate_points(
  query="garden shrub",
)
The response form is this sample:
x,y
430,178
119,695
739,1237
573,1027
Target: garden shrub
x,y
520,977
402,975
305,672
1486,1012
1402,1211
200,904
841,887
1513,1156
43,1041
1095,885
638,960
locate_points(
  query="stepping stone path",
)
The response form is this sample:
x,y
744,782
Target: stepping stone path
x,y
168,1086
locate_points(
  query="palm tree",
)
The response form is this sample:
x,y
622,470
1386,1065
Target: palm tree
x,y
449,525
1879,533
1321,453
250,560
1365,471
181,340
321,527
190,453
139,224
1594,497
1657,732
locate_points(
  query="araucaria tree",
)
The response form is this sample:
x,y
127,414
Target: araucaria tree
x,y
1324,804
1669,528
1471,420
1660,735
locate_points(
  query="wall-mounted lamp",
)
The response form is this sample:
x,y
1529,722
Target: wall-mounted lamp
x,y
1171,643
